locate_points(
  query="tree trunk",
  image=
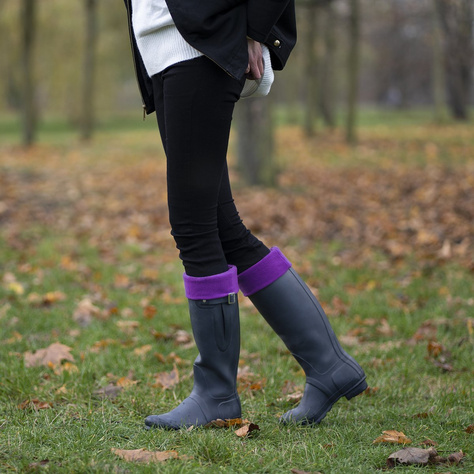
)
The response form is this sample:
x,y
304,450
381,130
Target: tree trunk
x,y
328,78
311,69
353,70
439,82
255,141
456,18
28,22
88,83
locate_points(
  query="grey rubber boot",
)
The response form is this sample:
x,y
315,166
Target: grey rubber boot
x,y
216,330
296,316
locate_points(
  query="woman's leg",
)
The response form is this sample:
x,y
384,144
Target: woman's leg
x,y
241,247
196,100
194,103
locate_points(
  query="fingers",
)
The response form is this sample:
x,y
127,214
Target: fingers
x,y
255,67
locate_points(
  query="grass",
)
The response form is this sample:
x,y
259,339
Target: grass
x,y
376,304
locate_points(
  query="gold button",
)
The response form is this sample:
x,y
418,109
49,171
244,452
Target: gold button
x,y
276,43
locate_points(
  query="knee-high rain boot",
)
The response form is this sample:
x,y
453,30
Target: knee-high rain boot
x,y
293,312
214,312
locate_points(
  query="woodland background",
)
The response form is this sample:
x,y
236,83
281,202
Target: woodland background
x,y
71,60
359,165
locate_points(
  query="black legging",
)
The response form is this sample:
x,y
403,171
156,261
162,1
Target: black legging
x,y
194,101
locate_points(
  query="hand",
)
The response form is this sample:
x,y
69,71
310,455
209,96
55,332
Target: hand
x,y
254,69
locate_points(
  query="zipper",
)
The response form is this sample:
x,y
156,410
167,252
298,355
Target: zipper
x,y
129,15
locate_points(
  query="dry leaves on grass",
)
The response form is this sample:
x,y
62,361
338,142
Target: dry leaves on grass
x,y
179,336
116,386
439,356
166,380
47,299
34,404
51,356
248,381
422,457
392,436
142,455
245,427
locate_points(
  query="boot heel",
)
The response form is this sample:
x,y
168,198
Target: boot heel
x,y
359,388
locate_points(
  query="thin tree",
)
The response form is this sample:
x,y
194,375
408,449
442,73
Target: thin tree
x,y
28,27
353,70
328,83
438,77
457,17
255,143
88,82
311,67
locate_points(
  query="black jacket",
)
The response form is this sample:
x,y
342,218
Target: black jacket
x,y
218,29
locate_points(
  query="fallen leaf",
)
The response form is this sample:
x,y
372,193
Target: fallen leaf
x,y
226,423
410,456
429,442
149,311
247,430
34,404
392,436
435,348
66,367
469,429
142,351
125,382
294,397
370,391
423,457
85,311
166,380
142,455
128,327
101,345
52,355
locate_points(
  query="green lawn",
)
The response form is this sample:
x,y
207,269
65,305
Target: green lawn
x,y
86,260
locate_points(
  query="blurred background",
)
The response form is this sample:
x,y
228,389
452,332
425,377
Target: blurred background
x,y
69,62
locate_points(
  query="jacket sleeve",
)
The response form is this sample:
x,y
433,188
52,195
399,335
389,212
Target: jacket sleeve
x,y
262,15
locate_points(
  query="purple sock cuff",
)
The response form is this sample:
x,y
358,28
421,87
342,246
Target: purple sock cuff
x,y
264,272
211,287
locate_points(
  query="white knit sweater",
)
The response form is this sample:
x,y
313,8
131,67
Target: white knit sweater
x,y
158,40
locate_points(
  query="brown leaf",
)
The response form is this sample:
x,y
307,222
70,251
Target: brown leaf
x,y
166,380
455,458
247,430
142,351
435,348
128,327
392,436
469,429
52,355
429,442
142,455
85,311
422,457
410,456
370,391
149,311
225,423
34,404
